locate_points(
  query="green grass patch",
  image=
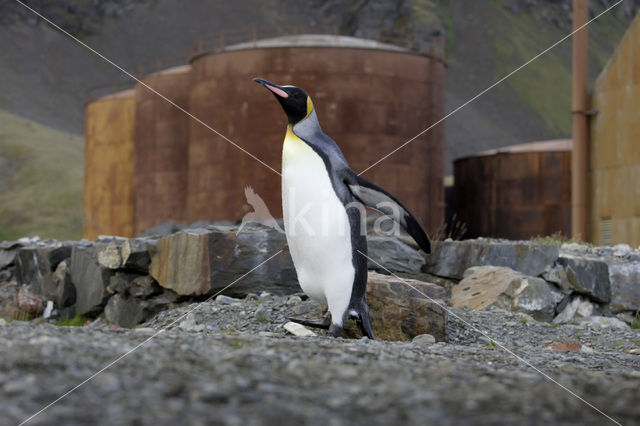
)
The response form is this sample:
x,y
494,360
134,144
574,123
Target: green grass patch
x,y
43,181
237,344
77,321
557,239
635,324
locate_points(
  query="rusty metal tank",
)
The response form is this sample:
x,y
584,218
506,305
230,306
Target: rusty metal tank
x,y
614,168
161,149
109,165
517,192
369,97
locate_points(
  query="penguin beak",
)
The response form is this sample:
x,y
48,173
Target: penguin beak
x,y
278,90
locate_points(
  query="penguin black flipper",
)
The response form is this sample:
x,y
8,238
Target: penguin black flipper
x,y
372,196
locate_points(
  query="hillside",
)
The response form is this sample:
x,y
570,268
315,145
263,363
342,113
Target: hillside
x,y
485,40
41,180
46,76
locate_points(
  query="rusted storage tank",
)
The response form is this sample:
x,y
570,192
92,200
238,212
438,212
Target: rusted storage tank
x,y
615,146
108,186
161,149
517,192
369,97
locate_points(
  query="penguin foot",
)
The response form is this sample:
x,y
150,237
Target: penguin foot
x,y
324,324
364,322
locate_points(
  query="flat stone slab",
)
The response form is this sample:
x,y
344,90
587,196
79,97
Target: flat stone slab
x,y
403,309
451,258
392,254
587,276
90,280
624,280
203,261
490,286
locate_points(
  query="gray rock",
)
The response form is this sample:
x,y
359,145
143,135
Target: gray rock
x,y
58,253
587,276
539,300
627,317
393,255
452,258
578,307
10,245
262,314
557,275
189,323
603,322
109,256
198,262
485,287
563,303
298,329
160,302
135,254
294,300
90,280
424,339
226,300
65,291
6,274
32,267
577,248
7,258
144,287
124,311
622,250
625,287
120,282
163,229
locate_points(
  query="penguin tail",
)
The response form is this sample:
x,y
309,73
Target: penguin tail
x,y
372,196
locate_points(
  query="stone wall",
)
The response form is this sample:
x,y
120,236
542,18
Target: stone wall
x,y
129,280
551,283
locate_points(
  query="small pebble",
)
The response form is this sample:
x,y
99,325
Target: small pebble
x,y
226,300
262,314
298,329
424,339
294,300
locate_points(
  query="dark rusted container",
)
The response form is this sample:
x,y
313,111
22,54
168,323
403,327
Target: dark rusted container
x,y
516,192
370,98
108,186
161,149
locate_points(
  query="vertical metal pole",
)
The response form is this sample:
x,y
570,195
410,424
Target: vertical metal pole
x,y
580,152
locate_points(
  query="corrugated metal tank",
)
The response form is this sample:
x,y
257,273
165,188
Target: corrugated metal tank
x,y
109,165
161,149
615,146
517,192
370,98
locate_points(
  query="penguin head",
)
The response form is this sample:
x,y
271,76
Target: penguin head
x,y
294,101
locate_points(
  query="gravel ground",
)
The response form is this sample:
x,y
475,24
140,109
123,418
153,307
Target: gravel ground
x,y
231,362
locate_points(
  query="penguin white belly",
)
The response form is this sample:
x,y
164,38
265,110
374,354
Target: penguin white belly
x,y
317,227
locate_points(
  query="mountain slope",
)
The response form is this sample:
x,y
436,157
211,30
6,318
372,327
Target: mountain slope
x,y
41,180
45,76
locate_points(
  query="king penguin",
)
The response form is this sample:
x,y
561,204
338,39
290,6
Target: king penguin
x,y
322,202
